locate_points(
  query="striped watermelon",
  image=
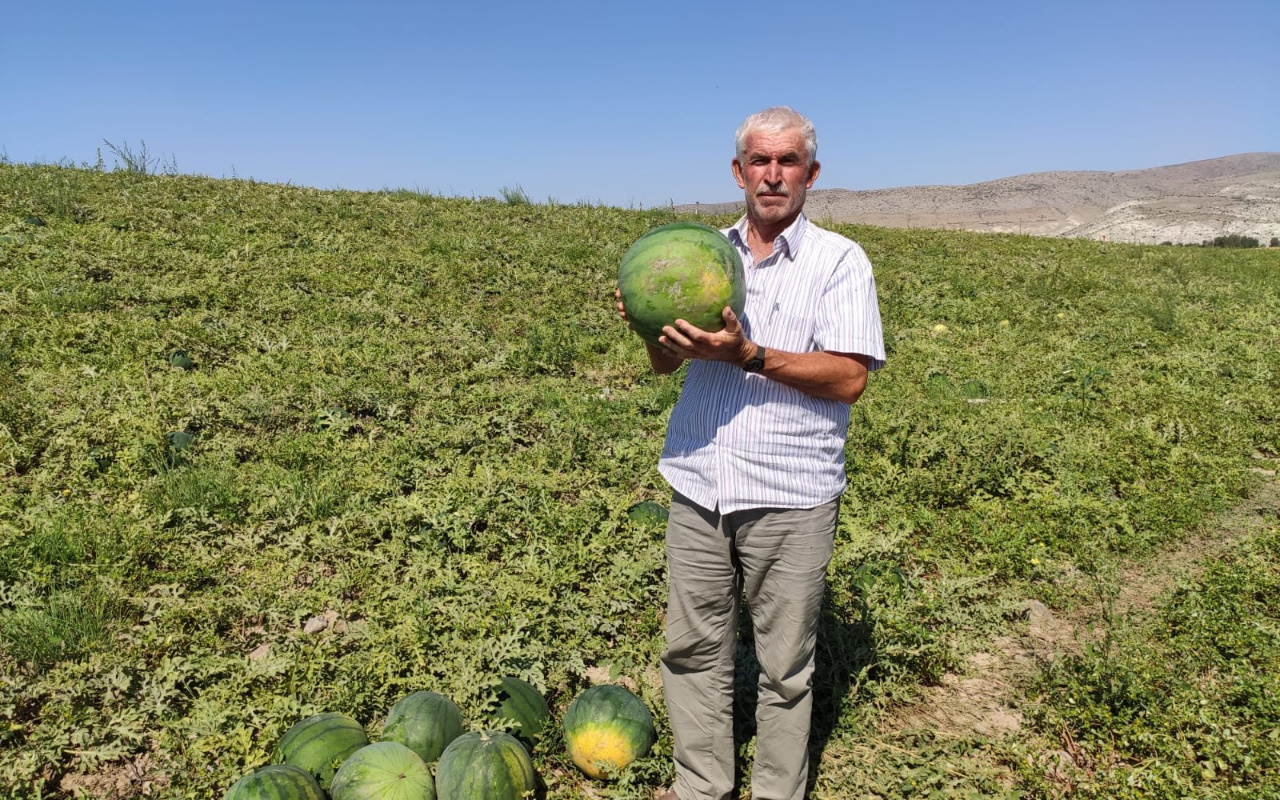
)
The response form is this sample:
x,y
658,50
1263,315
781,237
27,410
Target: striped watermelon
x,y
383,771
520,703
485,765
276,782
319,744
681,270
425,722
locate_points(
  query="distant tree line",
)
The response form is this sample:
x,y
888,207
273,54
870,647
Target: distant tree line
x,y
1233,240
1230,240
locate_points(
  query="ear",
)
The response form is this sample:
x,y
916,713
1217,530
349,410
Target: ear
x,y
737,174
813,174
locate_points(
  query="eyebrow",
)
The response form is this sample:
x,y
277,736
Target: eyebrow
x,y
751,156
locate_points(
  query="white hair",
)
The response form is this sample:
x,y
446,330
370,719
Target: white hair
x,y
777,120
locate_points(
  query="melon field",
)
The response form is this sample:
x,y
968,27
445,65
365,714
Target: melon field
x,y
269,451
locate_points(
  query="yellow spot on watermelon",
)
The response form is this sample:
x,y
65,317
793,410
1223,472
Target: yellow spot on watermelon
x,y
600,753
714,285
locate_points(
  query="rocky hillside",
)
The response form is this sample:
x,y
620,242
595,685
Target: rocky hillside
x,y
1184,203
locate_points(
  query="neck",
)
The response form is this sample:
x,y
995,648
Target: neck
x,y
763,233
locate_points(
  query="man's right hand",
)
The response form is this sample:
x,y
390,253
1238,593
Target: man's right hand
x,y
686,340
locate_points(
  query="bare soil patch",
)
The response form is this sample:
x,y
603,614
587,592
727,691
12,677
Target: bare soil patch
x,y
135,778
981,700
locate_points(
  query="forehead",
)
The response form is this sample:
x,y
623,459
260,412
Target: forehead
x,y
768,143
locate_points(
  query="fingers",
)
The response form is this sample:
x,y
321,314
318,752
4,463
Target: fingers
x,y
680,334
673,350
731,324
686,340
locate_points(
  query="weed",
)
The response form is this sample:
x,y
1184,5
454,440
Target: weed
x,y
515,196
39,634
140,161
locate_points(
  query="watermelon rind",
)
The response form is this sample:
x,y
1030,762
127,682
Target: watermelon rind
x,y
523,707
425,722
485,765
276,782
383,771
320,743
605,729
681,270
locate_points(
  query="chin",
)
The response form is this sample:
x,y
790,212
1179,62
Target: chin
x,y
770,213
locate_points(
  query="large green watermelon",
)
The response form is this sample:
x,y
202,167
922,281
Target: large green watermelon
x,y
521,703
319,744
383,771
425,722
681,270
485,765
605,729
276,782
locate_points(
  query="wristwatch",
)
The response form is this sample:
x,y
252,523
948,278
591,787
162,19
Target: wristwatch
x,y
756,362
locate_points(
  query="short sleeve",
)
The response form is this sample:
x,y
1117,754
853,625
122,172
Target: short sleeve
x,y
849,312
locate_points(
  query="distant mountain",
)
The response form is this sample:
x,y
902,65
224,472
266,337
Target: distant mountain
x,y
1183,203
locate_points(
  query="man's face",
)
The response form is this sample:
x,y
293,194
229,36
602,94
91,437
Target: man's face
x,y
775,174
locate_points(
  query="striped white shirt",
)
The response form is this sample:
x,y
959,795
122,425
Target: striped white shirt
x,y
738,440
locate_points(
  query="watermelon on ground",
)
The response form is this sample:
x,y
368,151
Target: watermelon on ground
x,y
425,722
605,729
485,765
383,771
647,513
520,703
320,743
276,782
681,270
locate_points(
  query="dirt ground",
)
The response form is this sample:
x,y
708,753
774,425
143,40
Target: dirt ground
x,y
980,700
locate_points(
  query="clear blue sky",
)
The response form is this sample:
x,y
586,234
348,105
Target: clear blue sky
x,y
636,104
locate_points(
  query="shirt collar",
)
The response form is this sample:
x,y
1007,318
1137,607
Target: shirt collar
x,y
791,237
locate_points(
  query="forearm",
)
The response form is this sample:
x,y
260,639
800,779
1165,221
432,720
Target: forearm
x,y
833,376
663,363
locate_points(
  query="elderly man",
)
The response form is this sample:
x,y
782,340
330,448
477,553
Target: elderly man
x,y
755,457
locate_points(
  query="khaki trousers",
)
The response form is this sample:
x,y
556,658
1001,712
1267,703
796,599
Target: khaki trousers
x,y
779,557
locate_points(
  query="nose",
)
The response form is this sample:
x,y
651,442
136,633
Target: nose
x,y
773,171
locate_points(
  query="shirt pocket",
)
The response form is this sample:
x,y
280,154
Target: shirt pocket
x,y
789,332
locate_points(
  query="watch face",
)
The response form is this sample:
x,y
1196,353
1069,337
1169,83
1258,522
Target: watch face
x,y
757,361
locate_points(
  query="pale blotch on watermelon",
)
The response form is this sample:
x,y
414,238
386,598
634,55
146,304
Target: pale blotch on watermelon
x,y
605,729
320,743
383,771
681,270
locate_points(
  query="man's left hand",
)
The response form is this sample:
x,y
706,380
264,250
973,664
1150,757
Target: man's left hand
x,y
686,340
